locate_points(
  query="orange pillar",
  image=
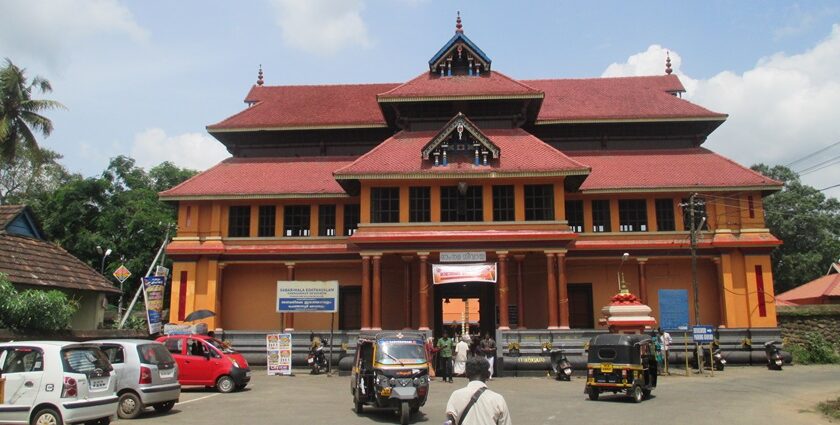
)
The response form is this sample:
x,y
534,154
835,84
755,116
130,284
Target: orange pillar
x,y
407,260
424,291
642,280
290,317
504,322
520,299
365,292
719,277
551,285
377,293
563,297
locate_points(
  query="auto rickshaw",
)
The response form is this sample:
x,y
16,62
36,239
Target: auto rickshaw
x,y
391,371
621,363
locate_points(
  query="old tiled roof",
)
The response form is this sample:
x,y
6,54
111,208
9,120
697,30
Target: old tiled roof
x,y
340,105
623,98
813,291
432,86
521,154
263,177
643,170
8,213
29,261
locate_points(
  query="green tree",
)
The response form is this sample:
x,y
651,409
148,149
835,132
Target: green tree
x,y
20,113
30,175
808,224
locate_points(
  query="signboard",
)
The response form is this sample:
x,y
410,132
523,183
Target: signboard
x,y
453,273
703,333
673,308
153,287
161,271
122,273
302,296
279,354
463,257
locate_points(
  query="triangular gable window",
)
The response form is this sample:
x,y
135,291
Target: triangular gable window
x,y
459,56
460,140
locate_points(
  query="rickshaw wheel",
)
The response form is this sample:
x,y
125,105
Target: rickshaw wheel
x,y
359,405
637,394
646,394
593,394
405,413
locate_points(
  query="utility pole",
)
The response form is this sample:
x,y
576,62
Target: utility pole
x,y
694,228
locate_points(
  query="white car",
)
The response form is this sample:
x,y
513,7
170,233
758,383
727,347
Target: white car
x,y
55,383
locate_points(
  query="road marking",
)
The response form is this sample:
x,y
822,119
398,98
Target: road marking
x,y
197,399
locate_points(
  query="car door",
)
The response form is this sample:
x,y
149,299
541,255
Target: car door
x,y
198,363
23,369
116,355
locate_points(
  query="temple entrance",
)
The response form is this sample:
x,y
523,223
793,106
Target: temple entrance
x,y
470,302
581,314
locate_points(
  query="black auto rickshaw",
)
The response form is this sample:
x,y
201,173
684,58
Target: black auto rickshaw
x,y
391,371
621,363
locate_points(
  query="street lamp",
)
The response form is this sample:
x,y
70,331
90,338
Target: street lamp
x,y
104,254
620,276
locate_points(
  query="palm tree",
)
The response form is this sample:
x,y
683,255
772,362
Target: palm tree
x,y
19,113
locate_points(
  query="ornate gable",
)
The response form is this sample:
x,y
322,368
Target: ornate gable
x,y
460,138
459,56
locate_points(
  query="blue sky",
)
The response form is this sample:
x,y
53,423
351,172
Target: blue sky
x,y
143,78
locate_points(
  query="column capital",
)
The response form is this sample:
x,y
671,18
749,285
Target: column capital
x,y
556,251
422,253
289,264
519,257
407,258
642,260
370,253
505,253
221,265
716,260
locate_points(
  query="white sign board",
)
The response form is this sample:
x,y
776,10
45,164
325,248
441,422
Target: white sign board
x,y
304,296
463,257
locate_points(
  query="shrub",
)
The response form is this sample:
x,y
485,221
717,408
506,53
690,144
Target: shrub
x,y
33,309
830,408
815,350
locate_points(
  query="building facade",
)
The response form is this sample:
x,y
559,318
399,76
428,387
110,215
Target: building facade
x,y
551,181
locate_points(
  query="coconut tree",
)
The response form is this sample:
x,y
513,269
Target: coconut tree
x,y
20,114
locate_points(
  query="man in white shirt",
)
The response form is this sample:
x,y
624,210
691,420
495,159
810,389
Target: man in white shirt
x,y
489,408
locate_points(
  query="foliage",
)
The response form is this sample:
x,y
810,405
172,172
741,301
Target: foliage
x,y
830,408
815,350
30,175
809,310
809,225
20,113
33,309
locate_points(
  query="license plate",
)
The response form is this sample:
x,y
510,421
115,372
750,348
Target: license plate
x,y
98,383
167,373
607,368
248,374
310,361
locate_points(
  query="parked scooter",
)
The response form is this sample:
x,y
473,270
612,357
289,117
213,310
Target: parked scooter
x,y
719,361
317,359
561,368
774,356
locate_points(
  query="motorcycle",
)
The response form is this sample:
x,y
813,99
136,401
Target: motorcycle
x,y
774,356
317,360
561,367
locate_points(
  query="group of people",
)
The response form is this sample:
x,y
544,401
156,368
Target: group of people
x,y
449,354
662,341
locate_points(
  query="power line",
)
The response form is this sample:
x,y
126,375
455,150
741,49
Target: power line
x,y
813,154
830,187
819,166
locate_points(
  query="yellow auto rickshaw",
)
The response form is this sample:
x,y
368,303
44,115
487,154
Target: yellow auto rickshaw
x,y
621,363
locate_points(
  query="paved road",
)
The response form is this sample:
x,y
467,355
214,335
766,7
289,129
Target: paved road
x,y
740,395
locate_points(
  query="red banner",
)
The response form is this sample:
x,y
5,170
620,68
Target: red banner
x,y
452,273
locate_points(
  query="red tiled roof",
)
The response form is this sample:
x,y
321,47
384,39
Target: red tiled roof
x,y
813,291
9,213
256,177
678,168
623,98
428,85
521,152
309,106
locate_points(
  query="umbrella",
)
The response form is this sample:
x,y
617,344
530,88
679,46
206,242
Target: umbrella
x,y
198,315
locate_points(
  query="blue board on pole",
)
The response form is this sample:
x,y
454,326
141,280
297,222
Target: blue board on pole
x,y
673,308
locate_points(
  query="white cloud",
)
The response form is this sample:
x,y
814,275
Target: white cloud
x,y
195,151
322,26
782,109
44,30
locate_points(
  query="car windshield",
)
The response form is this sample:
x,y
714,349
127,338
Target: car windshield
x,y
84,360
395,352
221,346
154,354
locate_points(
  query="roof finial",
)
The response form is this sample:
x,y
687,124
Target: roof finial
x,y
260,77
668,70
459,29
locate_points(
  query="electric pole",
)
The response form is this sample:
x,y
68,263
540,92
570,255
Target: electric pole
x,y
694,228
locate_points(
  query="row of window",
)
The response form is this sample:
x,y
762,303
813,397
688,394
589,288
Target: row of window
x,y
632,215
296,220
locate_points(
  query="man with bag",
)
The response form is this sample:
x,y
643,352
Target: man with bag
x,y
475,404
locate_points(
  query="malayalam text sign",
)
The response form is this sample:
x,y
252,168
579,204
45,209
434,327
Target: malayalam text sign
x,y
303,296
153,287
463,257
453,273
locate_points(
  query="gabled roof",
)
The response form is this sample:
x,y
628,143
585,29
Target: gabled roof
x,y
523,155
458,37
20,220
465,125
814,291
666,170
276,177
432,87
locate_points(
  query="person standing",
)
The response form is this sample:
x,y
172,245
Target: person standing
x,y
431,356
666,346
488,349
475,404
445,345
461,350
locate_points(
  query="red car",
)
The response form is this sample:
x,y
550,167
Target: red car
x,y
203,360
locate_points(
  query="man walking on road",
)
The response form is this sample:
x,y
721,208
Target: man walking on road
x,y
488,350
475,404
445,345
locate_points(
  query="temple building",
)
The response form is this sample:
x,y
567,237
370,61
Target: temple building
x,y
529,192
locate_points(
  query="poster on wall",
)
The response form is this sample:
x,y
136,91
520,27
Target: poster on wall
x,y
303,296
279,354
673,308
453,273
153,287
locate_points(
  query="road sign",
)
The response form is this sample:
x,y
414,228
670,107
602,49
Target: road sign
x,y
703,333
122,274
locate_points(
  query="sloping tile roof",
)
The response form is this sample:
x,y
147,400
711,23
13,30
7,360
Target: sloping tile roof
x,y
622,98
309,106
39,263
9,213
521,152
696,168
492,84
262,177
825,286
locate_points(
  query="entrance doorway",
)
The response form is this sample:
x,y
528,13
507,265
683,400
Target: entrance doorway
x,y
580,306
480,293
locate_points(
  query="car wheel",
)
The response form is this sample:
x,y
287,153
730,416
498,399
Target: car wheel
x,y
130,406
637,394
593,394
46,417
225,384
164,407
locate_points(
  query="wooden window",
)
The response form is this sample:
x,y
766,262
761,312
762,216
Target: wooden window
x,y
239,221
539,202
419,204
750,204
601,216
326,220
351,219
385,205
266,221
349,308
296,220
574,215
665,215
699,213
503,203
632,215
461,205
